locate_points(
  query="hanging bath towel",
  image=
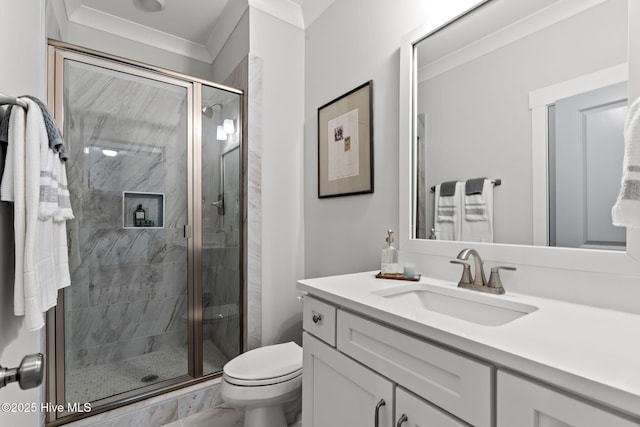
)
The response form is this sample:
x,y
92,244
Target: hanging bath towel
x,y
447,210
626,211
40,245
477,219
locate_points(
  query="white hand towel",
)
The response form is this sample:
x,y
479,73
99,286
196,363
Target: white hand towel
x,y
477,221
447,213
35,240
45,265
626,211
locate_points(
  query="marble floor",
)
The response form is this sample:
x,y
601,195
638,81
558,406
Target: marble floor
x,y
220,416
97,382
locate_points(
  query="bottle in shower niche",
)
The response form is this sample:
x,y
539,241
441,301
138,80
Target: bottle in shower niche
x,y
139,217
389,259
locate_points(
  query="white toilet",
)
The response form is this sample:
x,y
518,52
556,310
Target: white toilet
x,y
267,383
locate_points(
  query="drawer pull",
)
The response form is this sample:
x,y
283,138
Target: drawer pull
x,y
378,406
402,419
317,318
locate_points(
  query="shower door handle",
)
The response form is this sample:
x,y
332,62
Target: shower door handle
x,y
187,232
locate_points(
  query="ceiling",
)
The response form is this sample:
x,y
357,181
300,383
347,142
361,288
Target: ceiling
x,y
188,19
187,27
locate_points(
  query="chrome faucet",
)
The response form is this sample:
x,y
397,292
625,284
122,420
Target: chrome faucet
x,y
478,281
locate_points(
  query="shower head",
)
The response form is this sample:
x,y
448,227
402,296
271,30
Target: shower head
x,y
207,110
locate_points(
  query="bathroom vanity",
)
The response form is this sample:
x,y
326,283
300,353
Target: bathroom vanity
x,y
391,353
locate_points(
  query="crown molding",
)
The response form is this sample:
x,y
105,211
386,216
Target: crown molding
x,y
285,10
299,13
78,13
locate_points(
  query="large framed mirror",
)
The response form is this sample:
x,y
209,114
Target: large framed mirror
x,y
493,94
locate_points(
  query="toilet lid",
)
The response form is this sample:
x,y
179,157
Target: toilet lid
x,y
266,362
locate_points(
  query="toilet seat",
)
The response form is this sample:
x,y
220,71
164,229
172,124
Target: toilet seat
x,y
265,365
263,381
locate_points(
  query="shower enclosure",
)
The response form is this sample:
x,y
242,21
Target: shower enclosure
x,y
155,250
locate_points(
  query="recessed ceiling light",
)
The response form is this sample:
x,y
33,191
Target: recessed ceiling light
x,y
149,5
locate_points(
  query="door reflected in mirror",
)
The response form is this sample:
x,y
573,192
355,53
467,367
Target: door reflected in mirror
x,y
532,94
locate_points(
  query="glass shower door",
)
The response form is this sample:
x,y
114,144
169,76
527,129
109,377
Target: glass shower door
x,y
221,228
126,313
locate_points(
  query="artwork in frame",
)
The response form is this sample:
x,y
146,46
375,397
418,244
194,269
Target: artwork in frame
x,y
345,144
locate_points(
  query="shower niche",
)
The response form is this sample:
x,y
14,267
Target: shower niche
x,y
142,210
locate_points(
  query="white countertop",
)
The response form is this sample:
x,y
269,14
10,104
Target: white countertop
x,y
590,351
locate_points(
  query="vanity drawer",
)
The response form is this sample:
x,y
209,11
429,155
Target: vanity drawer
x,y
457,384
319,319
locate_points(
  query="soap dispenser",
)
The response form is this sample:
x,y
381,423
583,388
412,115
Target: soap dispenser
x,y
389,264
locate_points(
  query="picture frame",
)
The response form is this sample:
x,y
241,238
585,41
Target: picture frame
x,y
345,144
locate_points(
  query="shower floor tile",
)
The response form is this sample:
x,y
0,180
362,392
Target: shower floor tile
x,y
97,382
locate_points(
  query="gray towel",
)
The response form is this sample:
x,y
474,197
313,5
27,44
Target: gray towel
x,y
4,138
4,126
473,186
55,136
448,188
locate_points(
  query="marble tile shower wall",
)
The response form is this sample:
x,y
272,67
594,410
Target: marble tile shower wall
x,y
129,286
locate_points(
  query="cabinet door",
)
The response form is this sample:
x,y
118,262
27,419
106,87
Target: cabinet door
x,y
523,403
336,391
458,384
412,411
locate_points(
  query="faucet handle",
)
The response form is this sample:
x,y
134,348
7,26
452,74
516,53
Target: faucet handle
x,y
494,278
466,278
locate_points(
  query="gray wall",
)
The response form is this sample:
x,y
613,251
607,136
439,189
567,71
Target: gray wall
x,y
352,42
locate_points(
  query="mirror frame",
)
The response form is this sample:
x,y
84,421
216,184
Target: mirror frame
x,y
586,260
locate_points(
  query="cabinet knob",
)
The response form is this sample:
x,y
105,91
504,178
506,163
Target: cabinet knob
x,y
317,318
401,420
380,404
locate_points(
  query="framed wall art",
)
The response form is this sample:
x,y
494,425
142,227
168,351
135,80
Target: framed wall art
x,y
345,144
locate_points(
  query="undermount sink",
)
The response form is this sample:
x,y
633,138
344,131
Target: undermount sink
x,y
466,305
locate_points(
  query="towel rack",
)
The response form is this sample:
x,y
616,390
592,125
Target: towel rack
x,y
4,100
495,182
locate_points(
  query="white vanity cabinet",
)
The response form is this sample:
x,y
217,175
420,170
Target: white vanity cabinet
x,y
360,347
372,363
523,403
338,391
